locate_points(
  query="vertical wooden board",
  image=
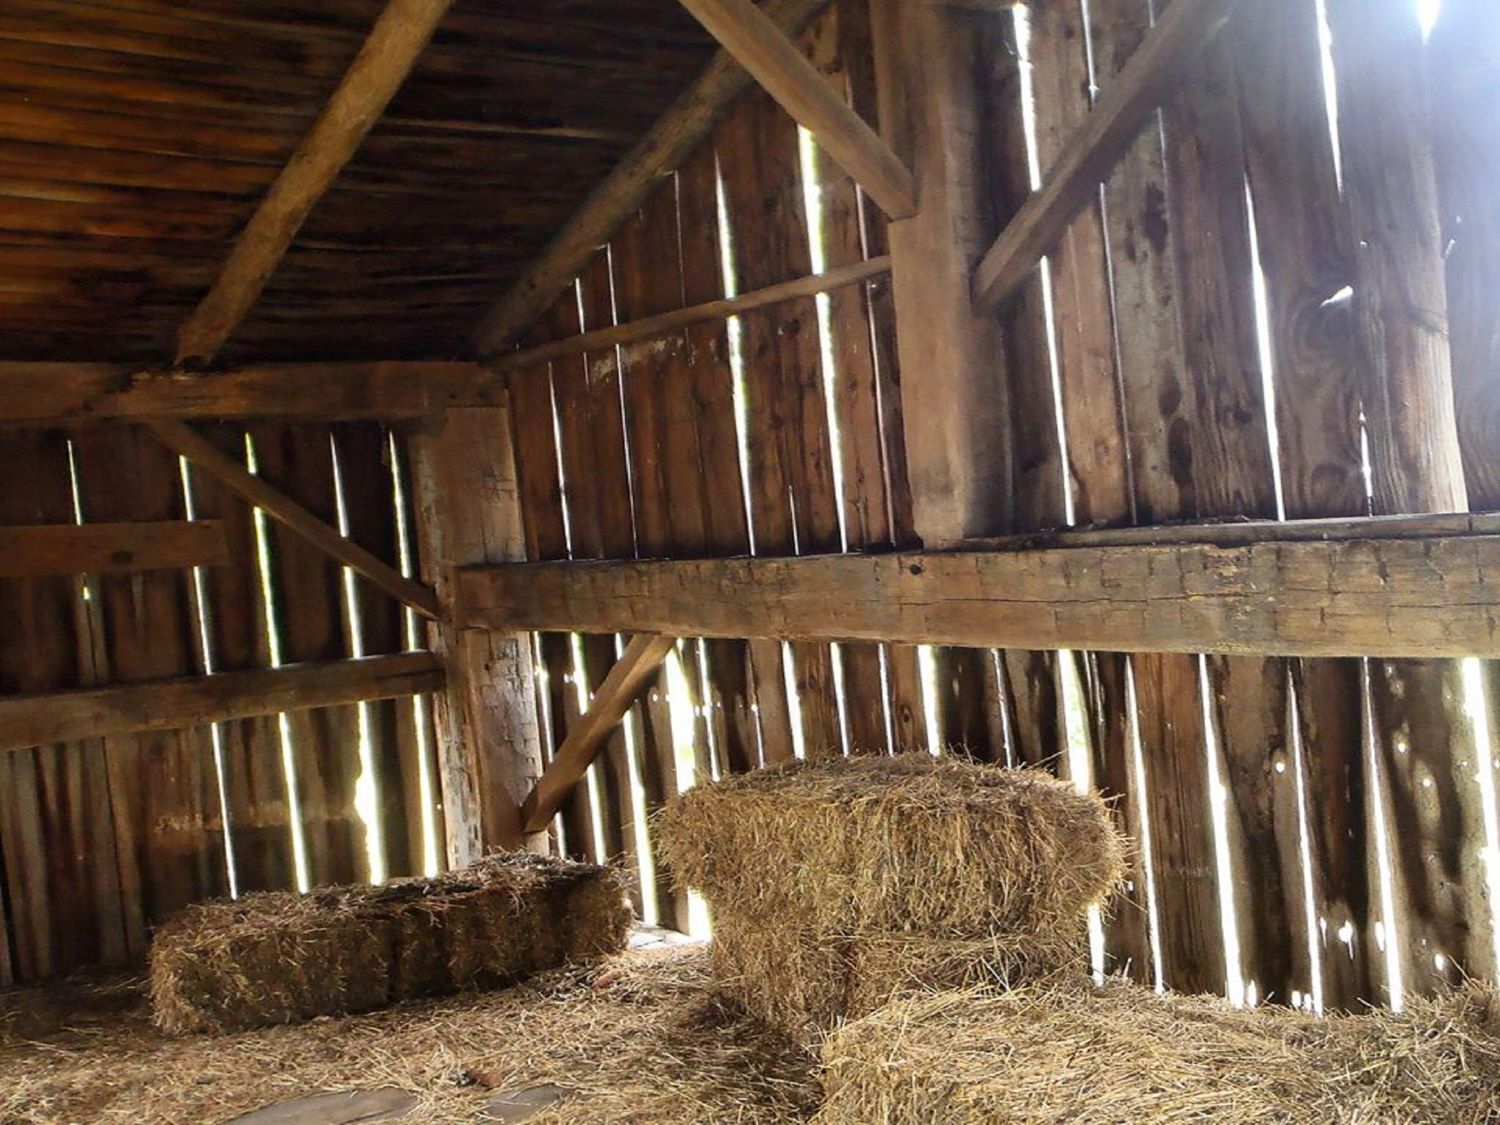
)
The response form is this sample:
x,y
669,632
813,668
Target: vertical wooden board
x,y
1463,75
1037,734
1230,474
307,586
377,624
1306,261
1464,80
908,714
842,31
535,426
255,783
730,697
964,705
1425,743
60,887
1127,938
793,502
163,786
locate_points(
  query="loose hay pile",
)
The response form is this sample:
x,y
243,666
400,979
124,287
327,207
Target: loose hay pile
x,y
279,958
638,1039
1124,1055
837,885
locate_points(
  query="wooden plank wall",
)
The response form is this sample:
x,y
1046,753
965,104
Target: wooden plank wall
x,y
101,840
1198,347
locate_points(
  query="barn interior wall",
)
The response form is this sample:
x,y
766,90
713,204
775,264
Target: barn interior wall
x,y
1205,343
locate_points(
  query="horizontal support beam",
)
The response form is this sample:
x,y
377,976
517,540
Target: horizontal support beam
x,y
183,440
723,309
784,72
69,716
104,548
626,680
1097,146
1378,597
56,394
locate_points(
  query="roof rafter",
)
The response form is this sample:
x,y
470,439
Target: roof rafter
x,y
387,57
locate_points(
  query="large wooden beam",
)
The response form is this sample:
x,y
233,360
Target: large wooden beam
x,y
104,548
1098,145
626,680
774,61
489,733
55,394
70,716
1354,597
938,116
394,44
624,190
182,440
647,327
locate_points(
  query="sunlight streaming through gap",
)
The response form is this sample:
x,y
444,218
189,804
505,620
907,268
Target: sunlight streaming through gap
x,y
1022,18
543,677
1386,935
273,645
1080,767
1330,91
412,629
793,701
684,739
203,620
1218,803
638,828
931,714
1315,934
1477,709
735,330
1265,350
580,681
1143,815
367,783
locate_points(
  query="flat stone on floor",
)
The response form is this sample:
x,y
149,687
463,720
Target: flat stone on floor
x,y
347,1108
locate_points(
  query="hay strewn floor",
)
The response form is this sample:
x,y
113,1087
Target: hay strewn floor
x,y
638,1038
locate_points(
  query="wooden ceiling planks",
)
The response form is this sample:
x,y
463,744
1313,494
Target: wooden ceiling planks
x,y
138,136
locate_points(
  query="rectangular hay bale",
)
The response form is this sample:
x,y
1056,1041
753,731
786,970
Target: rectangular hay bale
x,y
283,957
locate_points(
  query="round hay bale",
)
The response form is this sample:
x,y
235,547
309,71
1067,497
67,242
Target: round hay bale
x,y
1124,1054
805,984
911,844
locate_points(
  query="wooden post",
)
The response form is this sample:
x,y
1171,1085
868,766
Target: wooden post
x,y
953,399
489,741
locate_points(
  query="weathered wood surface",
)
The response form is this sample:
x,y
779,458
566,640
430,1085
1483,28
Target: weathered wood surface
x,y
489,740
755,41
40,719
616,694
40,549
183,440
1073,179
42,394
723,308
620,194
1362,597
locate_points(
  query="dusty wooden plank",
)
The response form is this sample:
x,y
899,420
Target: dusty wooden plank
x,y
1372,597
184,441
47,717
41,549
774,61
630,675
382,64
1072,180
66,393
